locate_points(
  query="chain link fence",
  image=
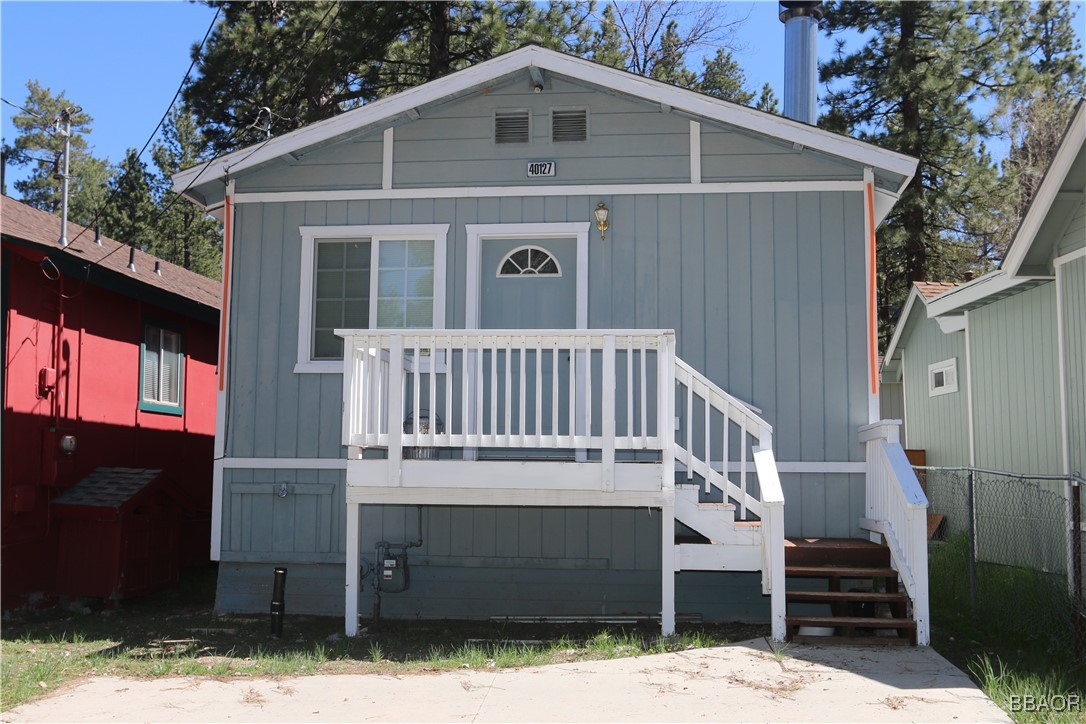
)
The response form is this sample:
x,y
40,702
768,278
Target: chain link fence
x,y
1006,550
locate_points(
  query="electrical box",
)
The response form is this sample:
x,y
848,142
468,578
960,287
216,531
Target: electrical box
x,y
392,569
47,381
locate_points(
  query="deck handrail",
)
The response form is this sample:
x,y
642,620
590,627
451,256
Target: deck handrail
x,y
753,432
897,510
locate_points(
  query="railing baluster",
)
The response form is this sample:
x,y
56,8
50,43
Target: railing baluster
x,y
743,470
644,395
479,393
432,407
554,390
493,439
708,444
607,411
539,388
688,433
572,364
522,400
508,391
629,388
416,380
588,388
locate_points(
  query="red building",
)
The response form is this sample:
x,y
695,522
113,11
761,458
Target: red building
x,y
109,361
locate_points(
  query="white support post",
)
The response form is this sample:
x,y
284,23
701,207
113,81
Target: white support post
x,y
667,570
607,395
353,554
395,411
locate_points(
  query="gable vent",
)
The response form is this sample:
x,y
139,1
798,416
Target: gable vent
x,y
569,125
511,127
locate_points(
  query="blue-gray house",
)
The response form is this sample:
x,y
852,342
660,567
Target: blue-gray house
x,y
545,338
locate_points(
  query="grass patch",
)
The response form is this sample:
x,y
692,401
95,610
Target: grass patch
x,y
1017,642
175,633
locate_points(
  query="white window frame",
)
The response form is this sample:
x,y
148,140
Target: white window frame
x,y
375,233
949,368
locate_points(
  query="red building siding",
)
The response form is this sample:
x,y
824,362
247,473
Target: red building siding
x,y
90,335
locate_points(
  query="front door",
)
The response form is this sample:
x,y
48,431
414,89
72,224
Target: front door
x,y
528,284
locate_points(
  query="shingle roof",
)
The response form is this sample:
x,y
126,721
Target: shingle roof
x,y
107,487
42,229
930,290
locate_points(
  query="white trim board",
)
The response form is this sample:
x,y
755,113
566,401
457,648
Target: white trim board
x,y
477,192
787,467
409,103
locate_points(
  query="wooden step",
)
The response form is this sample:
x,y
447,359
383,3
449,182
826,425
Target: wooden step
x,y
835,551
853,640
845,596
851,622
840,572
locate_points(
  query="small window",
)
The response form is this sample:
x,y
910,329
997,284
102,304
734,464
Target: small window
x,y
943,377
529,261
512,127
569,125
162,366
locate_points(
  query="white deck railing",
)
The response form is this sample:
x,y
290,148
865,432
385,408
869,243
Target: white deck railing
x,y
897,509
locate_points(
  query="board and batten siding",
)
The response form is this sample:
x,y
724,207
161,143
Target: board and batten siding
x,y
939,424
1073,291
629,141
765,292
1016,383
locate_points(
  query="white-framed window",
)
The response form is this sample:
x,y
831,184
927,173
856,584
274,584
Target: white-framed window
x,y
162,369
367,277
529,261
943,377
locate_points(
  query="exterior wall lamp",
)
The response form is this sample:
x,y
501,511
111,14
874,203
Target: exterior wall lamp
x,y
601,219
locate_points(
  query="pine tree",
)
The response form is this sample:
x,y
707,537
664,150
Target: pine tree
x,y
185,235
39,146
914,86
724,79
608,46
767,100
130,213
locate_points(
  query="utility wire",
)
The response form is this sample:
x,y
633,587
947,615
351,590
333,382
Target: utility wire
x,y
158,126
239,129
15,105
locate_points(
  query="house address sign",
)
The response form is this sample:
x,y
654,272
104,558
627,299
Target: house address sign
x,y
541,168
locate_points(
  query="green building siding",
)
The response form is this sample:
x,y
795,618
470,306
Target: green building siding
x,y
1015,382
1073,290
939,424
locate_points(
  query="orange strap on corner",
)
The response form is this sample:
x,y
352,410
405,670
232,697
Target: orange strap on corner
x,y
872,312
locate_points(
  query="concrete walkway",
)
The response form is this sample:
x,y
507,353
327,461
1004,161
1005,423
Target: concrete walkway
x,y
741,682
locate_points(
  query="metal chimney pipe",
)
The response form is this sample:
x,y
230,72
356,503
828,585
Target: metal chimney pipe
x,y
800,18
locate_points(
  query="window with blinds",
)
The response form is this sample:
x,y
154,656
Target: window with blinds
x,y
161,369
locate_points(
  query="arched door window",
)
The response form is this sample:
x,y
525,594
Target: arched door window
x,y
529,261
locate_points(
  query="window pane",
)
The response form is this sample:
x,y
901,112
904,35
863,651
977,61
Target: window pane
x,y
420,254
420,283
392,255
356,285
356,315
420,313
329,255
150,363
329,285
171,368
329,314
391,283
390,313
327,345
358,254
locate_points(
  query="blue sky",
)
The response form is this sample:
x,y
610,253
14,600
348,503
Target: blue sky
x,y
123,61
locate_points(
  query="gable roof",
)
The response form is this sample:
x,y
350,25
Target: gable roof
x,y
40,230
406,104
924,292
1057,197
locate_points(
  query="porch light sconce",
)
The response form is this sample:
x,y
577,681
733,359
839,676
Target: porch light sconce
x,y
601,220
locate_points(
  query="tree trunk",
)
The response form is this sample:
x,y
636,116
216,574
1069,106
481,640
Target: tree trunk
x,y
439,56
913,223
